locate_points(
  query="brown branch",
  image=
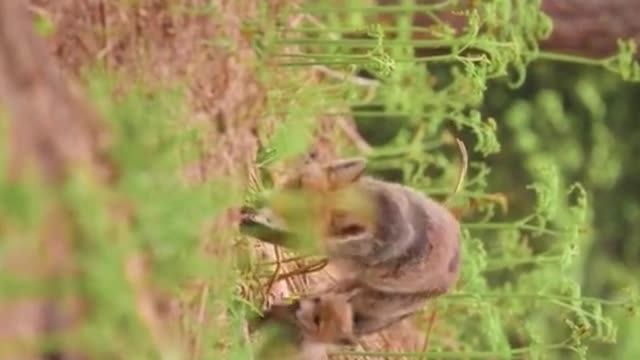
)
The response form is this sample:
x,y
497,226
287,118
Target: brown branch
x,y
51,127
591,27
587,28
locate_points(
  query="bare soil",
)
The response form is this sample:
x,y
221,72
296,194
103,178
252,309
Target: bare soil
x,y
198,43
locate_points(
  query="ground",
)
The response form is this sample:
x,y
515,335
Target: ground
x,y
207,47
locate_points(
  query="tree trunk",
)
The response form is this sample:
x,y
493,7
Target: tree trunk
x,y
50,132
591,27
588,28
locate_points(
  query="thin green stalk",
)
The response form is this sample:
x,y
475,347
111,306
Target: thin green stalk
x,y
387,9
461,354
312,63
324,56
577,310
404,150
370,43
545,55
328,29
516,225
499,265
551,298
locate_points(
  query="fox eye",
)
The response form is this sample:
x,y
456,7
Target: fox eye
x,y
352,229
346,341
293,183
312,156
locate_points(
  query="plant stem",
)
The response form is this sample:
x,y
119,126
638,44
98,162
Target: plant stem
x,y
365,43
552,298
460,354
517,225
387,9
545,55
531,260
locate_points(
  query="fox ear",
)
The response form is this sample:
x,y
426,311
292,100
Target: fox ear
x,y
345,171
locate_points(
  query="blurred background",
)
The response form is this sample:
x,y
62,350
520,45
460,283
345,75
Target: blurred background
x,y
132,131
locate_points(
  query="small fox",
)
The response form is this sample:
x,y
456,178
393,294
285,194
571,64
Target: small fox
x,y
397,245
308,327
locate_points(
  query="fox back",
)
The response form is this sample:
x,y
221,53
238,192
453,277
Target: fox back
x,y
391,237
416,243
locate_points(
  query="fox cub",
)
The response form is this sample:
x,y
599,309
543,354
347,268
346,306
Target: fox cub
x,y
307,328
397,245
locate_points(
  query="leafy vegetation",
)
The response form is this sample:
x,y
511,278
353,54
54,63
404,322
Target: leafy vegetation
x,y
529,237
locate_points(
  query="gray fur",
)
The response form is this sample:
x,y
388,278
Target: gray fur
x,y
411,254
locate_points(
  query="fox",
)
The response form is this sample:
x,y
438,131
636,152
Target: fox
x,y
395,244
307,328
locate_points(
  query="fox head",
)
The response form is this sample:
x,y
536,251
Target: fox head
x,y
326,198
327,318
327,177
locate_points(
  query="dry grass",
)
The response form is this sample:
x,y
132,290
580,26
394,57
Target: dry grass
x,y
161,43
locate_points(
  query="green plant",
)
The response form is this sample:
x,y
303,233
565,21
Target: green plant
x,y
520,295
535,282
